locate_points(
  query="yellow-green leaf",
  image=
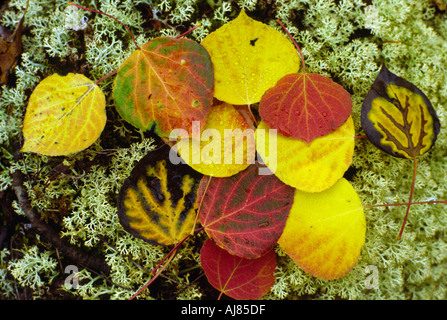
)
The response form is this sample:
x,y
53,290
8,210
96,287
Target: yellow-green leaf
x,y
226,144
65,114
158,201
398,118
249,57
325,231
310,167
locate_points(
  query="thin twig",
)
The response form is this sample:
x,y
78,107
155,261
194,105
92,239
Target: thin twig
x,y
46,232
107,15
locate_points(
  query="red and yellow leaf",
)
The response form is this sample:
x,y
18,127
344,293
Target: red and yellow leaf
x,y
168,82
158,201
65,115
325,231
398,118
245,213
238,278
305,106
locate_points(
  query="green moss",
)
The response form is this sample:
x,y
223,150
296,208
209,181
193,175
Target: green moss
x,y
345,40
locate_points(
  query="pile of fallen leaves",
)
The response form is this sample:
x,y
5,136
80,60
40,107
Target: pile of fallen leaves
x,y
286,187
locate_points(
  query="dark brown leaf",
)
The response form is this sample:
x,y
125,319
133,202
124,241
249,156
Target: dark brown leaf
x,y
10,50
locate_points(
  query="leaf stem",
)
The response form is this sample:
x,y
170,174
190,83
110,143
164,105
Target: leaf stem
x,y
108,15
294,42
106,76
415,165
152,279
200,205
174,249
189,31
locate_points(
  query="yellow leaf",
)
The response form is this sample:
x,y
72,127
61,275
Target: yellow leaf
x,y
249,57
65,114
325,231
310,167
226,144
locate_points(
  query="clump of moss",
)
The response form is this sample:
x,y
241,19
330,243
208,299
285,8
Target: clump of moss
x,y
345,40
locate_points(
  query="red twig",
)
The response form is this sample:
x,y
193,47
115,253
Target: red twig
x,y
189,31
108,15
294,42
156,272
405,204
152,279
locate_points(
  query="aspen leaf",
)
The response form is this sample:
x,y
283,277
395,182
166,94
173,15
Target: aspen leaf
x,y
65,114
157,202
226,144
248,57
238,278
325,231
245,213
310,167
168,82
305,106
398,118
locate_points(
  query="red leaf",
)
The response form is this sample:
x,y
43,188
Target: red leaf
x,y
246,213
305,106
238,278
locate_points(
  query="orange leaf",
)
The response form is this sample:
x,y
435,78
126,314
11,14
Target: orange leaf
x,y
168,82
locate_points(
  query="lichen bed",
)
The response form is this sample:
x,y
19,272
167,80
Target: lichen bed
x,y
345,40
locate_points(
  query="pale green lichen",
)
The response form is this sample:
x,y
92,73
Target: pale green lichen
x,y
36,269
347,40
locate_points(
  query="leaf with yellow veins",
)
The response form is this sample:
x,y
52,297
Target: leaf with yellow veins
x,y
249,57
158,201
226,144
398,118
65,115
325,231
310,167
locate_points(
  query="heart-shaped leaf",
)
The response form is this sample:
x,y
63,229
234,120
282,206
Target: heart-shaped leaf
x,y
398,118
310,167
238,278
158,201
65,115
305,106
245,213
325,231
248,57
168,82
